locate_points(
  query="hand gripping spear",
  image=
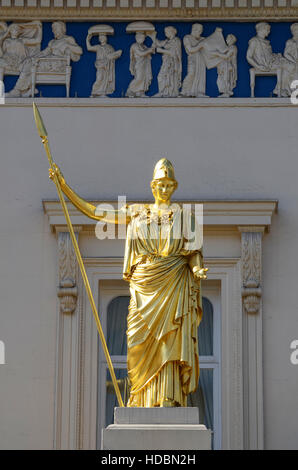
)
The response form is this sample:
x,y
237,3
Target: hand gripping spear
x,y
44,137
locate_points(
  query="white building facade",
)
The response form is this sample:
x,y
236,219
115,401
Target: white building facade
x,y
234,154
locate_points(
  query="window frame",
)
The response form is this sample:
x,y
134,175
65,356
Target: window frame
x,y
227,270
109,290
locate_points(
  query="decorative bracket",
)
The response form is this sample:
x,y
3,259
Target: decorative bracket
x,y
251,256
68,272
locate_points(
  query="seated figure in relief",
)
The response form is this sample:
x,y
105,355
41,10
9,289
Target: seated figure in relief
x,y
17,42
105,61
62,46
260,57
291,54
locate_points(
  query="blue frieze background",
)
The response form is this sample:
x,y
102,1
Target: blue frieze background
x,y
84,72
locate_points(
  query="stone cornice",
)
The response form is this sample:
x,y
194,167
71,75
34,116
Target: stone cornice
x,y
150,102
102,10
222,214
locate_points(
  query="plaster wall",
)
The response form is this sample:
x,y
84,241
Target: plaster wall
x,y
219,152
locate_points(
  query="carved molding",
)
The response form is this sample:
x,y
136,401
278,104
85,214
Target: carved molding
x,y
217,213
251,256
69,374
251,263
9,11
148,102
67,290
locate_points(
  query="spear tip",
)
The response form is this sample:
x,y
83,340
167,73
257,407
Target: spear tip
x,y
39,122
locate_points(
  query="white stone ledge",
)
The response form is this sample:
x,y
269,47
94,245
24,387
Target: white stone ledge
x,y
150,102
156,437
218,213
153,416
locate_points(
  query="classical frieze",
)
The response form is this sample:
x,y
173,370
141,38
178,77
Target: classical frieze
x,y
153,59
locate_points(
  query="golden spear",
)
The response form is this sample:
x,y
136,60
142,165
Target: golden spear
x,y
44,137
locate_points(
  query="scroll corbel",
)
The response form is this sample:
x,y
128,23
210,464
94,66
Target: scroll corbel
x,y
251,256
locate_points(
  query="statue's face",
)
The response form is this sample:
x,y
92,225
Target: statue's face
x,y
14,32
264,32
169,33
295,32
163,189
197,31
140,38
230,40
57,31
102,38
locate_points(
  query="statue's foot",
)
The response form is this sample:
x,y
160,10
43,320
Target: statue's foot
x,y
168,403
28,94
284,94
159,95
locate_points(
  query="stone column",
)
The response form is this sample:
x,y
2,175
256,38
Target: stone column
x,y
251,263
69,344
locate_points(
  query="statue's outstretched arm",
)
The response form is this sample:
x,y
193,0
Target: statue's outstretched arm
x,y
111,216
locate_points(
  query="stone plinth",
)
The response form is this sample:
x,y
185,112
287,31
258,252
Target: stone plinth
x,y
156,429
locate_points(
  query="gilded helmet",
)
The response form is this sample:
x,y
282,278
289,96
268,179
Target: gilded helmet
x,y
164,169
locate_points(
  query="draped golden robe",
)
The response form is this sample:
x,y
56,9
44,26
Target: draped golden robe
x,y
164,311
